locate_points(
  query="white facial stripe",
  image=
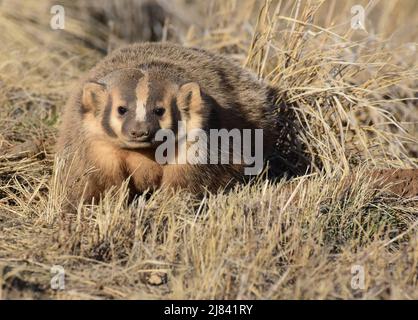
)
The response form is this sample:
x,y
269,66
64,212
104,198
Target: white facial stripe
x,y
140,112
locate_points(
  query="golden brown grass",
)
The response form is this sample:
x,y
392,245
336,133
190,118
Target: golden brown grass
x,y
355,94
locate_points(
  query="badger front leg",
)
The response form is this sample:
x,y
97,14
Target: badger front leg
x,y
144,172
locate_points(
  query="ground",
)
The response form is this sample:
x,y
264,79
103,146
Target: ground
x,y
354,92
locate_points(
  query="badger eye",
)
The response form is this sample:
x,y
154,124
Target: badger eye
x,y
122,110
159,111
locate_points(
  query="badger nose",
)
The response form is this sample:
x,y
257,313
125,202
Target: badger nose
x,y
139,134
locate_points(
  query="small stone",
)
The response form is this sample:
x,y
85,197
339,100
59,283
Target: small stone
x,y
157,278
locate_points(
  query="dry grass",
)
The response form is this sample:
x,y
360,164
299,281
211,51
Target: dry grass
x,y
355,94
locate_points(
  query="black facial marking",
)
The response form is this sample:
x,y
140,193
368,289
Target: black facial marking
x,y
175,114
106,119
156,93
127,92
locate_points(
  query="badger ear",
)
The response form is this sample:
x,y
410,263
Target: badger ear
x,y
94,96
190,98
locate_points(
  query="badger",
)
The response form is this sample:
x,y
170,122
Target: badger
x,y
113,118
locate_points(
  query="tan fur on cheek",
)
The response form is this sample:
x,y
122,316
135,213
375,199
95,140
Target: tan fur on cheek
x,y
115,120
116,124
102,154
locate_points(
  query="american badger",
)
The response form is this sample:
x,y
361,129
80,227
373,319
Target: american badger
x,y
111,122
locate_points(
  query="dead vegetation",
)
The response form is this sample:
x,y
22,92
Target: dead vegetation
x,y
354,93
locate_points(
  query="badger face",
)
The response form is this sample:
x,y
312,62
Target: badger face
x,y
131,105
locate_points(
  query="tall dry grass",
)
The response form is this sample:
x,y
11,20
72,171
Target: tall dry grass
x,y
355,97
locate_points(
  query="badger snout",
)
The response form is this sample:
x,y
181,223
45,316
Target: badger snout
x,y
139,132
